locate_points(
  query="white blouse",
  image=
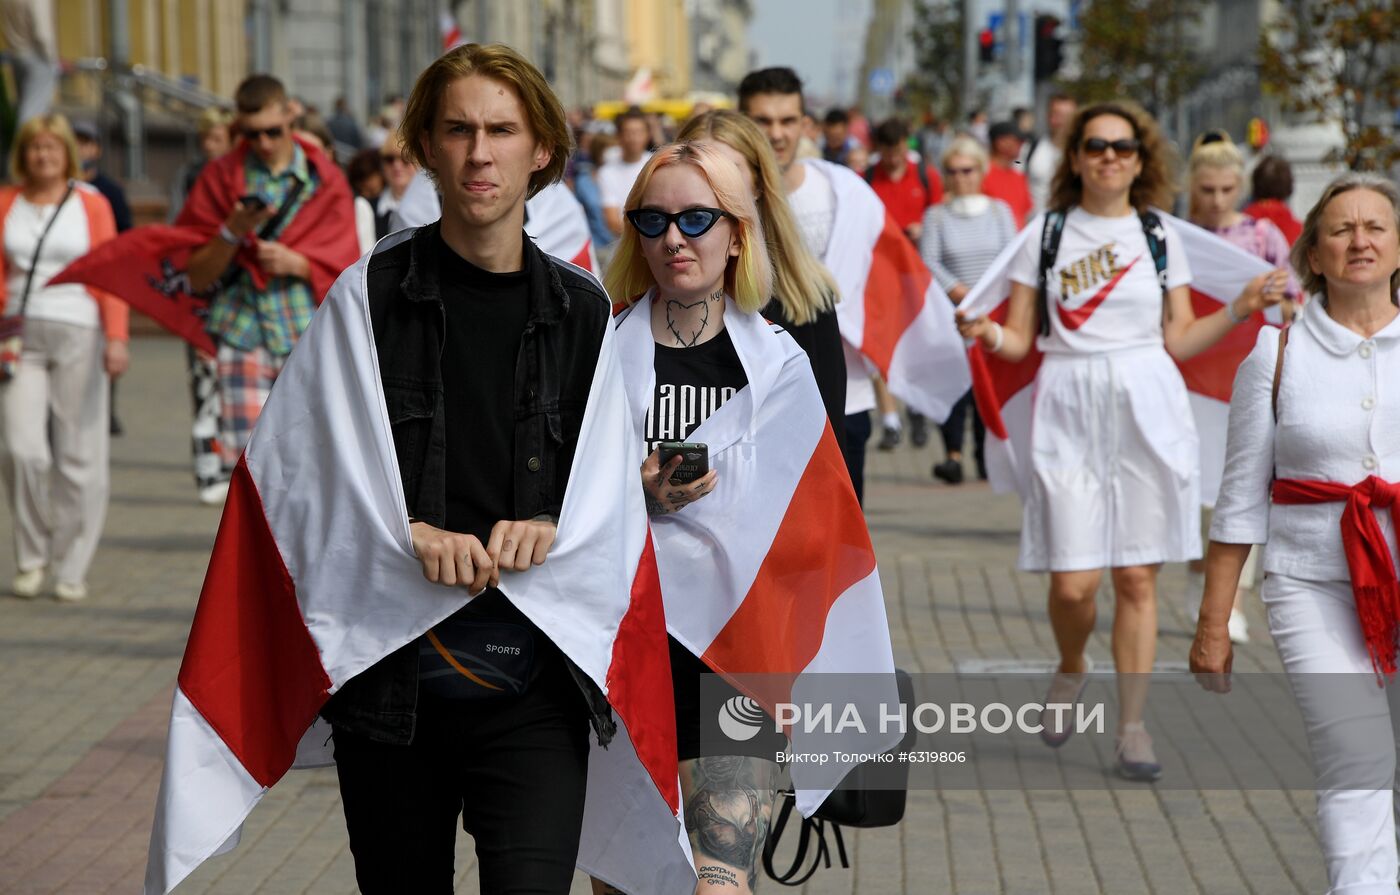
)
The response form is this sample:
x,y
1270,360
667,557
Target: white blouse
x,y
67,241
1338,421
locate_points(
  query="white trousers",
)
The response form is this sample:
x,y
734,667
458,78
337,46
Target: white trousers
x,y
54,442
1348,721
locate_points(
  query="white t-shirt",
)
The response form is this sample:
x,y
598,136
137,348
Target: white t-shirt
x,y
615,180
67,241
1040,170
1102,292
814,206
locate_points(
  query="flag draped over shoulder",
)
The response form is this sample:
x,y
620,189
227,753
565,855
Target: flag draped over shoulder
x,y
313,579
147,267
891,308
773,572
554,219
1004,392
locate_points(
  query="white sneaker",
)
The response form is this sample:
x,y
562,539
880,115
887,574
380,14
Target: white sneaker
x,y
1239,627
213,495
27,585
70,593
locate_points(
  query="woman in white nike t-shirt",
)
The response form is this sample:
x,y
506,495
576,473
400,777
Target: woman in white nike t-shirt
x,y
1114,459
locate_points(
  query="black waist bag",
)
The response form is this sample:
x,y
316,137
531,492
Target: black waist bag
x,y
851,804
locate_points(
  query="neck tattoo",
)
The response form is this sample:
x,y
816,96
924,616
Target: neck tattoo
x,y
674,309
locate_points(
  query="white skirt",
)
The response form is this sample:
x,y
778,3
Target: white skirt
x,y
1114,464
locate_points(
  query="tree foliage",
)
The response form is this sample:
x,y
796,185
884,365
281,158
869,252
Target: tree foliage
x,y
1339,60
937,37
1143,50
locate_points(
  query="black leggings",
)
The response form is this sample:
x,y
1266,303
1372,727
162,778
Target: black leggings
x,y
955,429
514,770
858,429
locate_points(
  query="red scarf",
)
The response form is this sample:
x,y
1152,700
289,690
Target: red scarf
x,y
323,228
1373,580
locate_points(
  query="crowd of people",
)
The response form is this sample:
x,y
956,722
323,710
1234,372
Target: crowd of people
x,y
704,231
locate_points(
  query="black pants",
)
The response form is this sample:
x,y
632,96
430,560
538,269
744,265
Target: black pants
x,y
514,770
858,430
955,429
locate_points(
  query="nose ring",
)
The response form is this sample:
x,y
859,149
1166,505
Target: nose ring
x,y
673,250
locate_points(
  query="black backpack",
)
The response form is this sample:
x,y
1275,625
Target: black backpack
x,y
1050,247
858,802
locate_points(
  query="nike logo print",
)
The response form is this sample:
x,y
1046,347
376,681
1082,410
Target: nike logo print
x,y
1079,316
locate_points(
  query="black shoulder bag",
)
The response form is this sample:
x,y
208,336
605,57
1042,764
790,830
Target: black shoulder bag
x,y
12,327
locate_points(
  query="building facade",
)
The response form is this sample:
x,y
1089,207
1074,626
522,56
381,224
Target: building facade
x,y
720,45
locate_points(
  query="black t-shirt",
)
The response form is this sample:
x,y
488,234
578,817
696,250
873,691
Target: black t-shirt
x,y
821,340
485,316
691,384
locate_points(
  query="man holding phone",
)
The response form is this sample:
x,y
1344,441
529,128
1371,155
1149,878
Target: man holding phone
x,y
281,222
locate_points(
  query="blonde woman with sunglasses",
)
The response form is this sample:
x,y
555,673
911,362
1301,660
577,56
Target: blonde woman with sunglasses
x,y
703,367
1115,461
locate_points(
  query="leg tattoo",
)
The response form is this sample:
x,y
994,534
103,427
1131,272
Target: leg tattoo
x,y
728,811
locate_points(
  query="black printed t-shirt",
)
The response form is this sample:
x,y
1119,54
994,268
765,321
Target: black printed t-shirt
x,y
691,384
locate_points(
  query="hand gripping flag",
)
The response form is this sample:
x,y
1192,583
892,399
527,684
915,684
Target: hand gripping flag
x,y
148,267
773,572
313,579
1004,392
891,308
554,219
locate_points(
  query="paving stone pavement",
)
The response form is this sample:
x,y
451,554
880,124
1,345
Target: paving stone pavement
x,y
85,691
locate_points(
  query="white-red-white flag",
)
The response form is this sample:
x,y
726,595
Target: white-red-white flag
x,y
891,308
313,579
451,32
773,573
554,219
1004,392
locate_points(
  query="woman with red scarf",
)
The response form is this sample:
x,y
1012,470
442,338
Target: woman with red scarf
x,y
1313,473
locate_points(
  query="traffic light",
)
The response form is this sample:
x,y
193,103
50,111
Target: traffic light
x,y
987,45
1048,55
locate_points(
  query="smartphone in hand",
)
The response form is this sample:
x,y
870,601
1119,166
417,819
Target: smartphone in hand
x,y
253,202
695,460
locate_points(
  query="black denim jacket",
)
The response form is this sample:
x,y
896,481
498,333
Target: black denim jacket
x,y
569,314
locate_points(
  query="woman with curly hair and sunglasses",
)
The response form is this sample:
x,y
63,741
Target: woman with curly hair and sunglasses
x,y
1101,287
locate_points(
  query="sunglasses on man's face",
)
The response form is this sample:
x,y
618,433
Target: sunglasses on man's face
x,y
393,160
1095,147
960,172
692,222
272,133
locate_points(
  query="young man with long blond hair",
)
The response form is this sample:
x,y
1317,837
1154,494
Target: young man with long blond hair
x,y
487,349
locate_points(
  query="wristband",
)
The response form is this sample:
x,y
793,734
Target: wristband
x,y
1000,339
1230,313
227,235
